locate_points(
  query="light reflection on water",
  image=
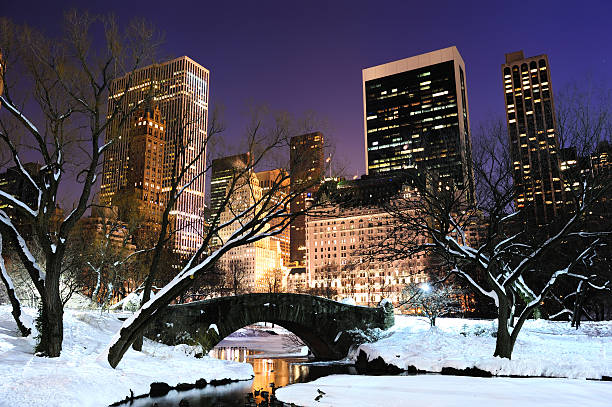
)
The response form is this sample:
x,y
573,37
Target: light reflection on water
x,y
279,371
269,372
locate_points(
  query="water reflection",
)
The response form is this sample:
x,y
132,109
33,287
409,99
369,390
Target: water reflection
x,y
270,373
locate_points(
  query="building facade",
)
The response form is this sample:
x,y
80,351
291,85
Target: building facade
x,y
257,262
415,115
146,164
180,88
534,148
307,167
342,241
337,256
277,183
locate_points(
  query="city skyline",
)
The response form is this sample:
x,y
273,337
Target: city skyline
x,y
368,192
332,89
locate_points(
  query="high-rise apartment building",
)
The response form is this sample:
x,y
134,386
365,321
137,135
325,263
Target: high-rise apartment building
x,y
223,171
180,88
415,115
307,163
146,164
530,115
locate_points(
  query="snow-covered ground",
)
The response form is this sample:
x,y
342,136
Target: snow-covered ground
x,y
437,391
77,378
543,348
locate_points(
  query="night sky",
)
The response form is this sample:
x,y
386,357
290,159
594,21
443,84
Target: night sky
x,y
308,56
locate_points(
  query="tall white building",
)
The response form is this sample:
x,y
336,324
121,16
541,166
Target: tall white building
x,y
180,88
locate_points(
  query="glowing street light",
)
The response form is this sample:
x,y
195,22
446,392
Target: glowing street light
x,y
425,287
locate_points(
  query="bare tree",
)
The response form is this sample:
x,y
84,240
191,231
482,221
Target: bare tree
x,y
235,277
431,301
504,262
69,85
274,280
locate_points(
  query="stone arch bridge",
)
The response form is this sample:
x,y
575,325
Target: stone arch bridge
x,y
329,328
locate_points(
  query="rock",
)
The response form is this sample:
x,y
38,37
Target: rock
x,y
184,403
468,371
375,366
221,382
159,389
185,386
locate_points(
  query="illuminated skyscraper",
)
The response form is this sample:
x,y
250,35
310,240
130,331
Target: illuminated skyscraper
x,y
223,171
180,88
146,164
307,165
415,115
530,115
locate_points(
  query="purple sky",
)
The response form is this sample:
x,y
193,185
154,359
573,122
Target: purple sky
x,y
299,58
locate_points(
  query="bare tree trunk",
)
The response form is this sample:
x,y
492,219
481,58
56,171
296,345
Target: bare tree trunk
x,y
504,343
52,332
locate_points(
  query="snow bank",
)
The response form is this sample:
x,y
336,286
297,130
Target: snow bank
x,y
543,348
435,390
77,379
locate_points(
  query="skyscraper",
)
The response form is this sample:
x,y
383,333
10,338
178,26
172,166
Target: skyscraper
x,y
415,115
530,115
307,163
180,88
223,171
145,167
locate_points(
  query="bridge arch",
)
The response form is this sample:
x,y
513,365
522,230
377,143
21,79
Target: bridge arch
x,y
325,326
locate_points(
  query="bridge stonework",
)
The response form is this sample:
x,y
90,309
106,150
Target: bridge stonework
x,y
329,328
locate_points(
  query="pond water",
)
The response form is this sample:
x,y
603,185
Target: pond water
x,y
272,370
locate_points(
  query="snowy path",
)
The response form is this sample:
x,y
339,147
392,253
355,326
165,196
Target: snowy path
x,y
438,391
76,378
